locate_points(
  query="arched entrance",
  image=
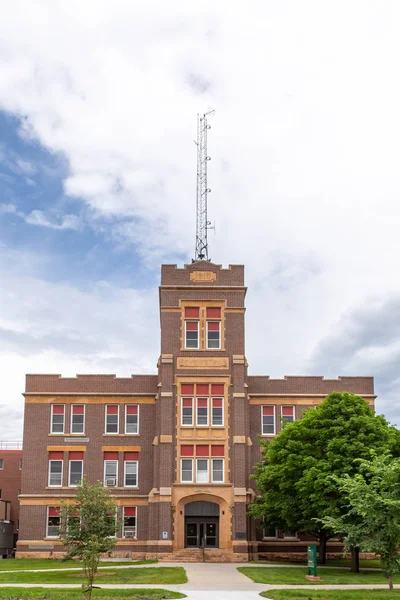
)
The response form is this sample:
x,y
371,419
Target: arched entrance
x,y
201,524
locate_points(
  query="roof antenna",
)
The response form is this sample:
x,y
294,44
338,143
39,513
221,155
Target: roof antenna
x,y
202,224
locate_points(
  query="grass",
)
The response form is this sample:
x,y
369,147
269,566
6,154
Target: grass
x,y
331,595
47,594
158,575
364,564
20,564
296,576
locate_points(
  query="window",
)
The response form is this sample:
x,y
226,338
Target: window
x,y
1,463
20,464
187,411
202,470
202,412
110,469
192,335
129,522
56,460
57,418
287,414
131,469
268,420
217,414
217,470
132,419
53,522
290,534
112,418
77,418
187,470
269,532
75,468
213,335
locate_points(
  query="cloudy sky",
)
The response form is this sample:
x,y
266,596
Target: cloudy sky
x,y
98,107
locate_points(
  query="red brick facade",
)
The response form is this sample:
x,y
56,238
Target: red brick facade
x,y
176,448
10,481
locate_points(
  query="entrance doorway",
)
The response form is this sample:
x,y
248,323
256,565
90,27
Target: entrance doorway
x,y
202,525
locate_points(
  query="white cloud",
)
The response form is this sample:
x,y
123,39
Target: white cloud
x,y
304,143
37,217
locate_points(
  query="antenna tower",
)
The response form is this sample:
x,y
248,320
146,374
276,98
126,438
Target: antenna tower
x,y
202,224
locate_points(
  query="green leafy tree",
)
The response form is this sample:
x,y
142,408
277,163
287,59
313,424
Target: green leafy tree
x,y
88,528
295,481
372,520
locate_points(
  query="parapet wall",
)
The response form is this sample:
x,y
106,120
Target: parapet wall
x,y
297,385
91,384
203,273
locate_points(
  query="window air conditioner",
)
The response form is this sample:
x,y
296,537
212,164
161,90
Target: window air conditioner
x,y
129,534
111,482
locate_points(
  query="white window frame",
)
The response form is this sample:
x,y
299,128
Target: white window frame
x,y
223,416
62,472
126,418
54,537
123,523
293,413
223,469
208,468
269,537
105,421
208,411
51,421
219,332
1,464
198,334
137,474
193,410
262,424
104,473
84,420
69,472
290,537
191,459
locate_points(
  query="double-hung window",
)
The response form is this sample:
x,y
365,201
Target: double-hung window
x,y
186,464
217,412
112,418
203,464
202,470
217,470
131,469
132,419
268,420
75,473
1,464
53,522
287,414
129,529
56,460
213,328
110,469
57,418
202,412
78,418
192,328
187,411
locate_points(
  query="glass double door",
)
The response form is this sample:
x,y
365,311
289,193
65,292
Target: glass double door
x,y
201,532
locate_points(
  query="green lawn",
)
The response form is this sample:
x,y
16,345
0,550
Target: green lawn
x,y
331,595
364,564
296,576
17,564
47,594
158,575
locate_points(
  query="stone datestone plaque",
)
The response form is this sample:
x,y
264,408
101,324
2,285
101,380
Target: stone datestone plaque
x,y
200,276
192,362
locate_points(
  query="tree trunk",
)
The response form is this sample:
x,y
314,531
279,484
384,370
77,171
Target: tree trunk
x,y
322,547
355,560
390,580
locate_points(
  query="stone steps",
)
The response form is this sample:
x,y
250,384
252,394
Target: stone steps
x,y
196,556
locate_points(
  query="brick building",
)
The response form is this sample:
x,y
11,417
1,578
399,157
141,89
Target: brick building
x,y
176,448
10,479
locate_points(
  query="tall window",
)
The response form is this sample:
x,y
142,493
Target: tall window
x,y
1,463
192,316
187,470
112,418
75,469
77,418
287,414
57,418
132,419
187,411
217,415
131,469
202,463
56,461
110,469
217,470
53,522
213,328
129,522
202,412
268,420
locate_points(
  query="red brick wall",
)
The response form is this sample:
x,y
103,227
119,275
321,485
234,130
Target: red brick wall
x,y
10,480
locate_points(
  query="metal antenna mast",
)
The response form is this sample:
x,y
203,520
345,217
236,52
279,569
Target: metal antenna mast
x,y
202,224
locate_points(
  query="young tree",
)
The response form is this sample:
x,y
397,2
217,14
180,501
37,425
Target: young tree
x,y
88,528
295,481
372,521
